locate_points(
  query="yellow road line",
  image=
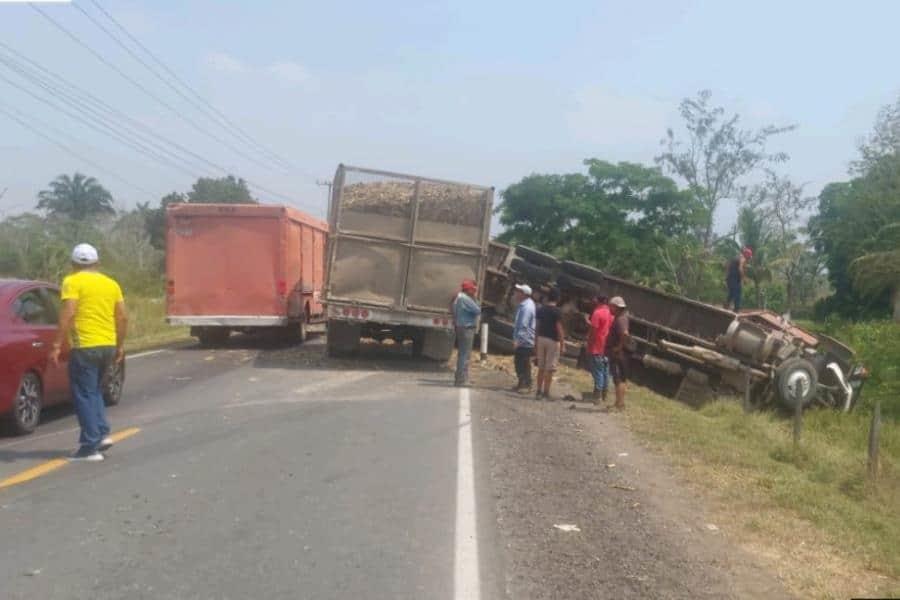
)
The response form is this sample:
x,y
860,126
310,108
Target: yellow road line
x,y
52,465
124,434
34,472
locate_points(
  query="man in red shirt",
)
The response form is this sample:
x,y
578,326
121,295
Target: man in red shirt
x,y
600,322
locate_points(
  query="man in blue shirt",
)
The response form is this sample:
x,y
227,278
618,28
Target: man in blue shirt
x,y
465,319
523,336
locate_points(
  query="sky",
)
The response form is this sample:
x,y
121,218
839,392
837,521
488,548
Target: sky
x,y
482,92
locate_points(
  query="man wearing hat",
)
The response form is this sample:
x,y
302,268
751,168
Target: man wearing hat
x,y
735,275
615,349
465,319
600,322
94,321
523,336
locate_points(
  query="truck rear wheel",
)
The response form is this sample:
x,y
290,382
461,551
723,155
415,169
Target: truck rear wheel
x,y
211,337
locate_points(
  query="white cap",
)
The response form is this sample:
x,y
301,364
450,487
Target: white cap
x,y
84,254
524,288
618,301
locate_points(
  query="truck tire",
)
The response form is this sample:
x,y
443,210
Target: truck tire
x,y
573,286
437,344
581,271
792,374
500,344
343,338
500,327
536,257
532,273
213,337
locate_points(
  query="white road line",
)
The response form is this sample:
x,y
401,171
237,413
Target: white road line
x,y
148,353
313,388
466,582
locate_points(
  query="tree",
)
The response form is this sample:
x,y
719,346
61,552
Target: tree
x,y
224,190
878,270
616,217
716,155
78,198
884,141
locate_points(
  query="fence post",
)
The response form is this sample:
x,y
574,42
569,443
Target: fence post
x,y
484,341
874,433
747,386
798,413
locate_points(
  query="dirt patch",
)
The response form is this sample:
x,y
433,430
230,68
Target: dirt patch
x,y
639,533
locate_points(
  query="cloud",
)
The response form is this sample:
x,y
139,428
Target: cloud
x,y
220,61
288,72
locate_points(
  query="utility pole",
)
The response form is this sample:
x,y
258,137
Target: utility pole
x,y
325,183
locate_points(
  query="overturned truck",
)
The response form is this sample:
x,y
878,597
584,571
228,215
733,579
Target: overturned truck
x,y
681,347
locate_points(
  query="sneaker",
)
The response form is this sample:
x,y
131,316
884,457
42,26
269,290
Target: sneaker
x,y
105,444
86,454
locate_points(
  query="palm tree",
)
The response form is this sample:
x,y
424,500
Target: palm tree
x,y
79,198
879,270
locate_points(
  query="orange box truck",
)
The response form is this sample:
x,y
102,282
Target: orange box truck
x,y
243,267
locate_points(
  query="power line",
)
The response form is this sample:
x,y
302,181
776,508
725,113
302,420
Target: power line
x,y
144,89
34,75
69,150
199,98
43,80
101,128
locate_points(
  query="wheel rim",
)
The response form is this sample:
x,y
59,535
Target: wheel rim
x,y
802,379
28,401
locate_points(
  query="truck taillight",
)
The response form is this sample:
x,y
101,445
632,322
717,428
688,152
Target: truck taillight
x,y
281,287
364,313
346,311
170,287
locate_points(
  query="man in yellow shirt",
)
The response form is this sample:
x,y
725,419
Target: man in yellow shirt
x,y
94,320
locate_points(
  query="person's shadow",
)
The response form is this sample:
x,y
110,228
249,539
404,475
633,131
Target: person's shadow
x,y
11,456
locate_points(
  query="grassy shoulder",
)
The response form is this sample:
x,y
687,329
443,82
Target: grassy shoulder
x,y
811,512
147,325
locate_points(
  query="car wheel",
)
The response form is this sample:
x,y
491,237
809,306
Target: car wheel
x,y
113,382
27,405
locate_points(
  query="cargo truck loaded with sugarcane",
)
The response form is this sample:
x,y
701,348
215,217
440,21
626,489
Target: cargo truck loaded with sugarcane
x,y
681,347
399,246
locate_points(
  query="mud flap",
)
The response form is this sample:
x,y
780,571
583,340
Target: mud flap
x,y
437,344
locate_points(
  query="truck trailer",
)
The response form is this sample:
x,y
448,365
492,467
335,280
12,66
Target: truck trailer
x,y
399,247
243,267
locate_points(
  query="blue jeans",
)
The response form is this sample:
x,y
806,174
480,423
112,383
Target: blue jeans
x,y
86,369
600,371
465,338
734,296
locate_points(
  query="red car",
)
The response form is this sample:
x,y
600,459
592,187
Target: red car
x,y
29,311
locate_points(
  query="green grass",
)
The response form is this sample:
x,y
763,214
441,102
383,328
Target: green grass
x,y
877,346
835,532
147,325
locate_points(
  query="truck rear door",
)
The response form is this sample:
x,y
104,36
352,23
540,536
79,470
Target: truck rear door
x,y
226,263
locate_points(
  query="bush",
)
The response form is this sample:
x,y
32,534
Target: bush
x,y
877,346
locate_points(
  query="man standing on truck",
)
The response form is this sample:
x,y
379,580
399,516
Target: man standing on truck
x,y
615,349
735,274
599,322
93,318
523,336
465,320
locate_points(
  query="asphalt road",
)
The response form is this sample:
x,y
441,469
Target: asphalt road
x,y
279,473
